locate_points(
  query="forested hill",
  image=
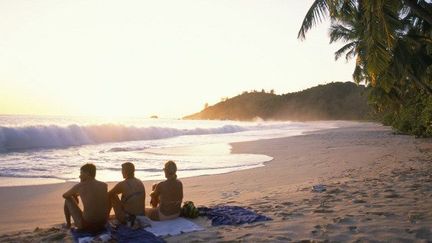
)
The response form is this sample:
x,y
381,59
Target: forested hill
x,y
333,101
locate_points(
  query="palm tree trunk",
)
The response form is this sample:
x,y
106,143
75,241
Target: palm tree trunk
x,y
419,11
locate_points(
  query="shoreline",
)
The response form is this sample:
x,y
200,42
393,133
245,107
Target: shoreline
x,y
11,181
364,166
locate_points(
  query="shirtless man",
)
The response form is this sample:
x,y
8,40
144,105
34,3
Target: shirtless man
x,y
132,201
94,197
167,196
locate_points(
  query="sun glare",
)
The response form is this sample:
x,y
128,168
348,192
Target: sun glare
x,y
145,58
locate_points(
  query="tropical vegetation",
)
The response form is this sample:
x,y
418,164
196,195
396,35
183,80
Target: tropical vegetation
x,y
333,101
391,41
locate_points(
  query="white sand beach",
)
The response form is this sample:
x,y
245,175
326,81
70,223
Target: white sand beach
x,y
379,188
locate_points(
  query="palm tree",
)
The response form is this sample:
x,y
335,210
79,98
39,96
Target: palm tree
x,y
392,43
422,9
349,28
321,9
371,28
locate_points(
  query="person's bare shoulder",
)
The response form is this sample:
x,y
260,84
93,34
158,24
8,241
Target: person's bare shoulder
x,y
139,182
78,186
117,189
101,184
73,191
120,184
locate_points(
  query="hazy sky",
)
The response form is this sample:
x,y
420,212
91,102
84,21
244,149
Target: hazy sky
x,y
164,57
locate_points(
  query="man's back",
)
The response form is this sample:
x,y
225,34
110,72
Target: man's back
x,y
94,196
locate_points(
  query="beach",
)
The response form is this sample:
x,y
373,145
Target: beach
x,y
378,188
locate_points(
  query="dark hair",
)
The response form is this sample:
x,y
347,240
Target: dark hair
x,y
129,169
89,169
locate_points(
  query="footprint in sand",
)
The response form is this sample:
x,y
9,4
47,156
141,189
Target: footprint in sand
x,y
375,194
377,205
323,210
379,213
244,236
392,195
356,201
289,215
232,201
304,189
331,198
287,203
255,225
335,191
283,238
277,206
227,195
343,220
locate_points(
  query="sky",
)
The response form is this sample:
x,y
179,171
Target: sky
x,y
166,58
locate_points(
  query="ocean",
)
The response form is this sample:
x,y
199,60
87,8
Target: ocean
x,y
51,149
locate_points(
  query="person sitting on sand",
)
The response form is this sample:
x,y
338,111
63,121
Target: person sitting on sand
x,y
167,196
94,197
132,202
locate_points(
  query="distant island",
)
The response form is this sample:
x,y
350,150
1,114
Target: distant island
x,y
333,101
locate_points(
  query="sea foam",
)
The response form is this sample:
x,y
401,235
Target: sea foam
x,y
54,136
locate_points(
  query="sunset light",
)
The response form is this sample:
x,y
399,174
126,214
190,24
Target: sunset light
x,y
142,58
216,121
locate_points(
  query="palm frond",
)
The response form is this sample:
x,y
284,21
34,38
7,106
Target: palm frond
x,y
350,47
379,36
316,13
350,54
339,32
358,74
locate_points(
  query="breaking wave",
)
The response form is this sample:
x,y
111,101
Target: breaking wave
x,y
53,136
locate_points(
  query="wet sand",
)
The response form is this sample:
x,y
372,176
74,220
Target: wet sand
x,y
379,188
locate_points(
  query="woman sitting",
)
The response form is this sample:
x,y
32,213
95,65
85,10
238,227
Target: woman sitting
x,y
167,196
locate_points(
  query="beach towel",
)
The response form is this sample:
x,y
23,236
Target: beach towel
x,y
173,227
231,215
121,233
85,237
125,234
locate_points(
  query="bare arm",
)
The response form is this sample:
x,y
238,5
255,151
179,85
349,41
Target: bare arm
x,y
117,189
181,193
144,194
72,193
154,196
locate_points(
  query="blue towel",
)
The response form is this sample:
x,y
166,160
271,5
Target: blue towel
x,y
76,234
231,215
126,234
122,234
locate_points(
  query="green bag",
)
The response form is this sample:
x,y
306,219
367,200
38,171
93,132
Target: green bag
x,y
189,210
